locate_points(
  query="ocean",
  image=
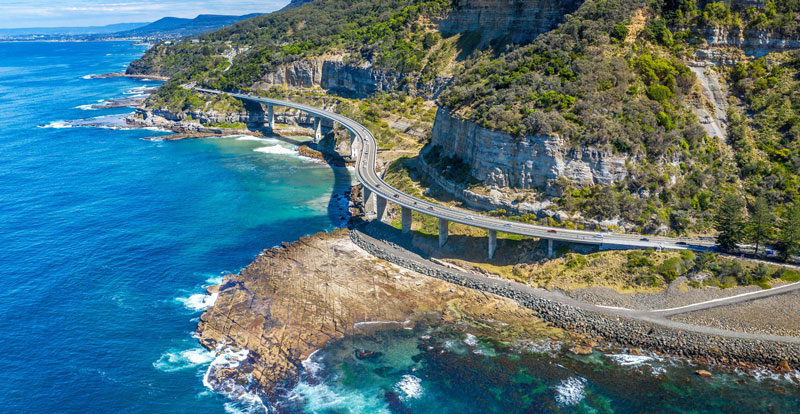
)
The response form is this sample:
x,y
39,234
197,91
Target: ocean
x,y
108,239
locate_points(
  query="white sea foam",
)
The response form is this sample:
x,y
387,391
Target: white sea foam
x,y
570,391
626,360
410,386
215,280
226,358
471,340
57,125
178,360
90,76
252,138
323,398
244,401
87,107
198,301
276,149
631,360
311,365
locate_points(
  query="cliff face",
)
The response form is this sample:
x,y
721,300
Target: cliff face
x,y
519,20
753,42
522,20
501,160
348,80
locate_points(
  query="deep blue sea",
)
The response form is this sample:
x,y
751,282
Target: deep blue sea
x,y
107,241
105,237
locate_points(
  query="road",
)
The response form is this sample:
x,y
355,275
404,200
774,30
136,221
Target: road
x,y
366,155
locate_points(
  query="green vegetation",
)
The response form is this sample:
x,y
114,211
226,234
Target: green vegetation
x,y
779,16
391,35
730,222
612,77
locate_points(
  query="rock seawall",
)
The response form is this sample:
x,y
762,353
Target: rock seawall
x,y
624,331
501,160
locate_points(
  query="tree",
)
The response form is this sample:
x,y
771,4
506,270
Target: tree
x,y
762,223
789,235
729,221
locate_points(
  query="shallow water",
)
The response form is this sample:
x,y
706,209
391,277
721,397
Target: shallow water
x,y
442,369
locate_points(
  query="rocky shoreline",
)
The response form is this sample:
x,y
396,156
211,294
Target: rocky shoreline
x,y
296,298
626,332
125,75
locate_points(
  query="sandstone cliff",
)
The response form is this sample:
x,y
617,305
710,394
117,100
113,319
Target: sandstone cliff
x,y
519,19
347,80
294,299
501,160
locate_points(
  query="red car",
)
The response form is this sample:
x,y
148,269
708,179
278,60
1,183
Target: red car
x,y
552,231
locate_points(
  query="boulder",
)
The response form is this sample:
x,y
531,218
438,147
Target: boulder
x,y
581,350
703,373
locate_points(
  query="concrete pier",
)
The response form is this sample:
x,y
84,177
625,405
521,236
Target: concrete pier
x,y
492,243
550,253
405,219
443,231
368,199
271,117
380,206
317,129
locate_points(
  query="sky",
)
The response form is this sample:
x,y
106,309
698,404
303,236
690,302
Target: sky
x,y
53,13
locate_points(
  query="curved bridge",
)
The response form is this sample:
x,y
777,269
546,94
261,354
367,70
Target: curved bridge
x,y
377,192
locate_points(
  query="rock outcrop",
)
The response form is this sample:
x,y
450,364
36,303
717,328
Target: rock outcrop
x,y
753,42
348,80
501,160
294,299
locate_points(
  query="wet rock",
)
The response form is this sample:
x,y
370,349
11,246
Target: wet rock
x,y
581,350
783,367
366,354
703,373
212,289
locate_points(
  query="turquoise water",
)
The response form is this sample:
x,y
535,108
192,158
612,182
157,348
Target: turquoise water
x,y
107,241
444,369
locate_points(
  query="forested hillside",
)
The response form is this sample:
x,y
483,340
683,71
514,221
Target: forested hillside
x,y
619,76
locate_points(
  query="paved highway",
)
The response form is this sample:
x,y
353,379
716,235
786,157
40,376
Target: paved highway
x,y
366,152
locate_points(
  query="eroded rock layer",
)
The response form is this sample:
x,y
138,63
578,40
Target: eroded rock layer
x,y
296,298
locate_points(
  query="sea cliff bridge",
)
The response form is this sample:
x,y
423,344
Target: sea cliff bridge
x,y
377,193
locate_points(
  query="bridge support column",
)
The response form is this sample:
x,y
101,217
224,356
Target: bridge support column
x,y
317,129
443,231
271,117
380,206
405,219
492,243
550,253
367,199
352,140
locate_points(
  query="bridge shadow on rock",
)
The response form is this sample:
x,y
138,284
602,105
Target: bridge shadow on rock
x,y
468,248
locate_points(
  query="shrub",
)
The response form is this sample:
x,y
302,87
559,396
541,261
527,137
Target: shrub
x,y
620,32
660,93
789,275
575,261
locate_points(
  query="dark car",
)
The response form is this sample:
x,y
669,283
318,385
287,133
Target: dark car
x,y
644,239
552,231
681,243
